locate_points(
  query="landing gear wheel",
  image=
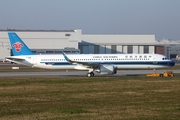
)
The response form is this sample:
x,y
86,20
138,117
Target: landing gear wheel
x,y
88,74
91,74
161,75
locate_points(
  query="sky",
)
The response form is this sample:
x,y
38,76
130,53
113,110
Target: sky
x,y
158,17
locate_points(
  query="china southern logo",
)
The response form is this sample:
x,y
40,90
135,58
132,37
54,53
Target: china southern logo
x,y
17,46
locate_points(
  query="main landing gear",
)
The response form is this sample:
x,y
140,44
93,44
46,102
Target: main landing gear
x,y
91,74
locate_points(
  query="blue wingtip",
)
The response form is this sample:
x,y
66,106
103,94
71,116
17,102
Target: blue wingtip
x,y
65,56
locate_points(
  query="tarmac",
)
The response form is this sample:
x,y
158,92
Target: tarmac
x,y
80,73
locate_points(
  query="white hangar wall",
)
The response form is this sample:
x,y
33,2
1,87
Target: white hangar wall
x,y
50,40
4,46
107,44
118,39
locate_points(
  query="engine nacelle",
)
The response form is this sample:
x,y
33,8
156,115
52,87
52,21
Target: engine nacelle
x,y
79,67
107,69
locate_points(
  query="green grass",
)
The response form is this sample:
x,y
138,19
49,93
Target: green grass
x,y
126,98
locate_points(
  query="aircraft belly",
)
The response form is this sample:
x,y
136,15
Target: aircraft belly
x,y
64,67
140,66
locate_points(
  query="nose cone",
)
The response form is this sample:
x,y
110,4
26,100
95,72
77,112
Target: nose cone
x,y
171,63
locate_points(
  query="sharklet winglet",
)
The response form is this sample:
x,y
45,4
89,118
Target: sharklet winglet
x,y
66,58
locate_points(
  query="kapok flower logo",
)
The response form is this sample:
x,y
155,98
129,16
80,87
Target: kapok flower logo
x,y
17,46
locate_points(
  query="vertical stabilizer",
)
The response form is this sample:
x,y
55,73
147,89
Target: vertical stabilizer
x,y
18,46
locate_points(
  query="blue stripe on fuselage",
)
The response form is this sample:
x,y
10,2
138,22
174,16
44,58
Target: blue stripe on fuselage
x,y
163,63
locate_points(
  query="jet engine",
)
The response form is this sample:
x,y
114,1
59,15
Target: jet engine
x,y
106,69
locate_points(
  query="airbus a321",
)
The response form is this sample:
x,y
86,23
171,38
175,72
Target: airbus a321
x,y
101,63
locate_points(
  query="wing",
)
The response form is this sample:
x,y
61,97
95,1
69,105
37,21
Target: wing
x,y
88,64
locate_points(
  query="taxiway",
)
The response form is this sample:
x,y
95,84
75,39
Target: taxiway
x,y
79,73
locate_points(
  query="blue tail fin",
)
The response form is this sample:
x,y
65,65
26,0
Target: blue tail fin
x,y
18,46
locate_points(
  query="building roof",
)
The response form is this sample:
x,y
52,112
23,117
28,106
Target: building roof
x,y
27,30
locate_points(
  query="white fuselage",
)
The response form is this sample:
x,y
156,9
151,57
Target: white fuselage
x,y
119,61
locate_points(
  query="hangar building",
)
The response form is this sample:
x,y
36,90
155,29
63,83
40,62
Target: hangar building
x,y
107,44
72,41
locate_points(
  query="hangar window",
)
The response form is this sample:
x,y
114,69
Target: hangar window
x,y
113,48
49,51
57,51
146,49
67,34
96,49
129,49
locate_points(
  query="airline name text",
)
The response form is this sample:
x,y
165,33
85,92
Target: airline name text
x,y
105,56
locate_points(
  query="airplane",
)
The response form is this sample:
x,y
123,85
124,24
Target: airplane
x,y
101,63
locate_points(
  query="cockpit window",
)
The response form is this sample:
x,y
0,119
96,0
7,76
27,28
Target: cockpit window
x,y
165,58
